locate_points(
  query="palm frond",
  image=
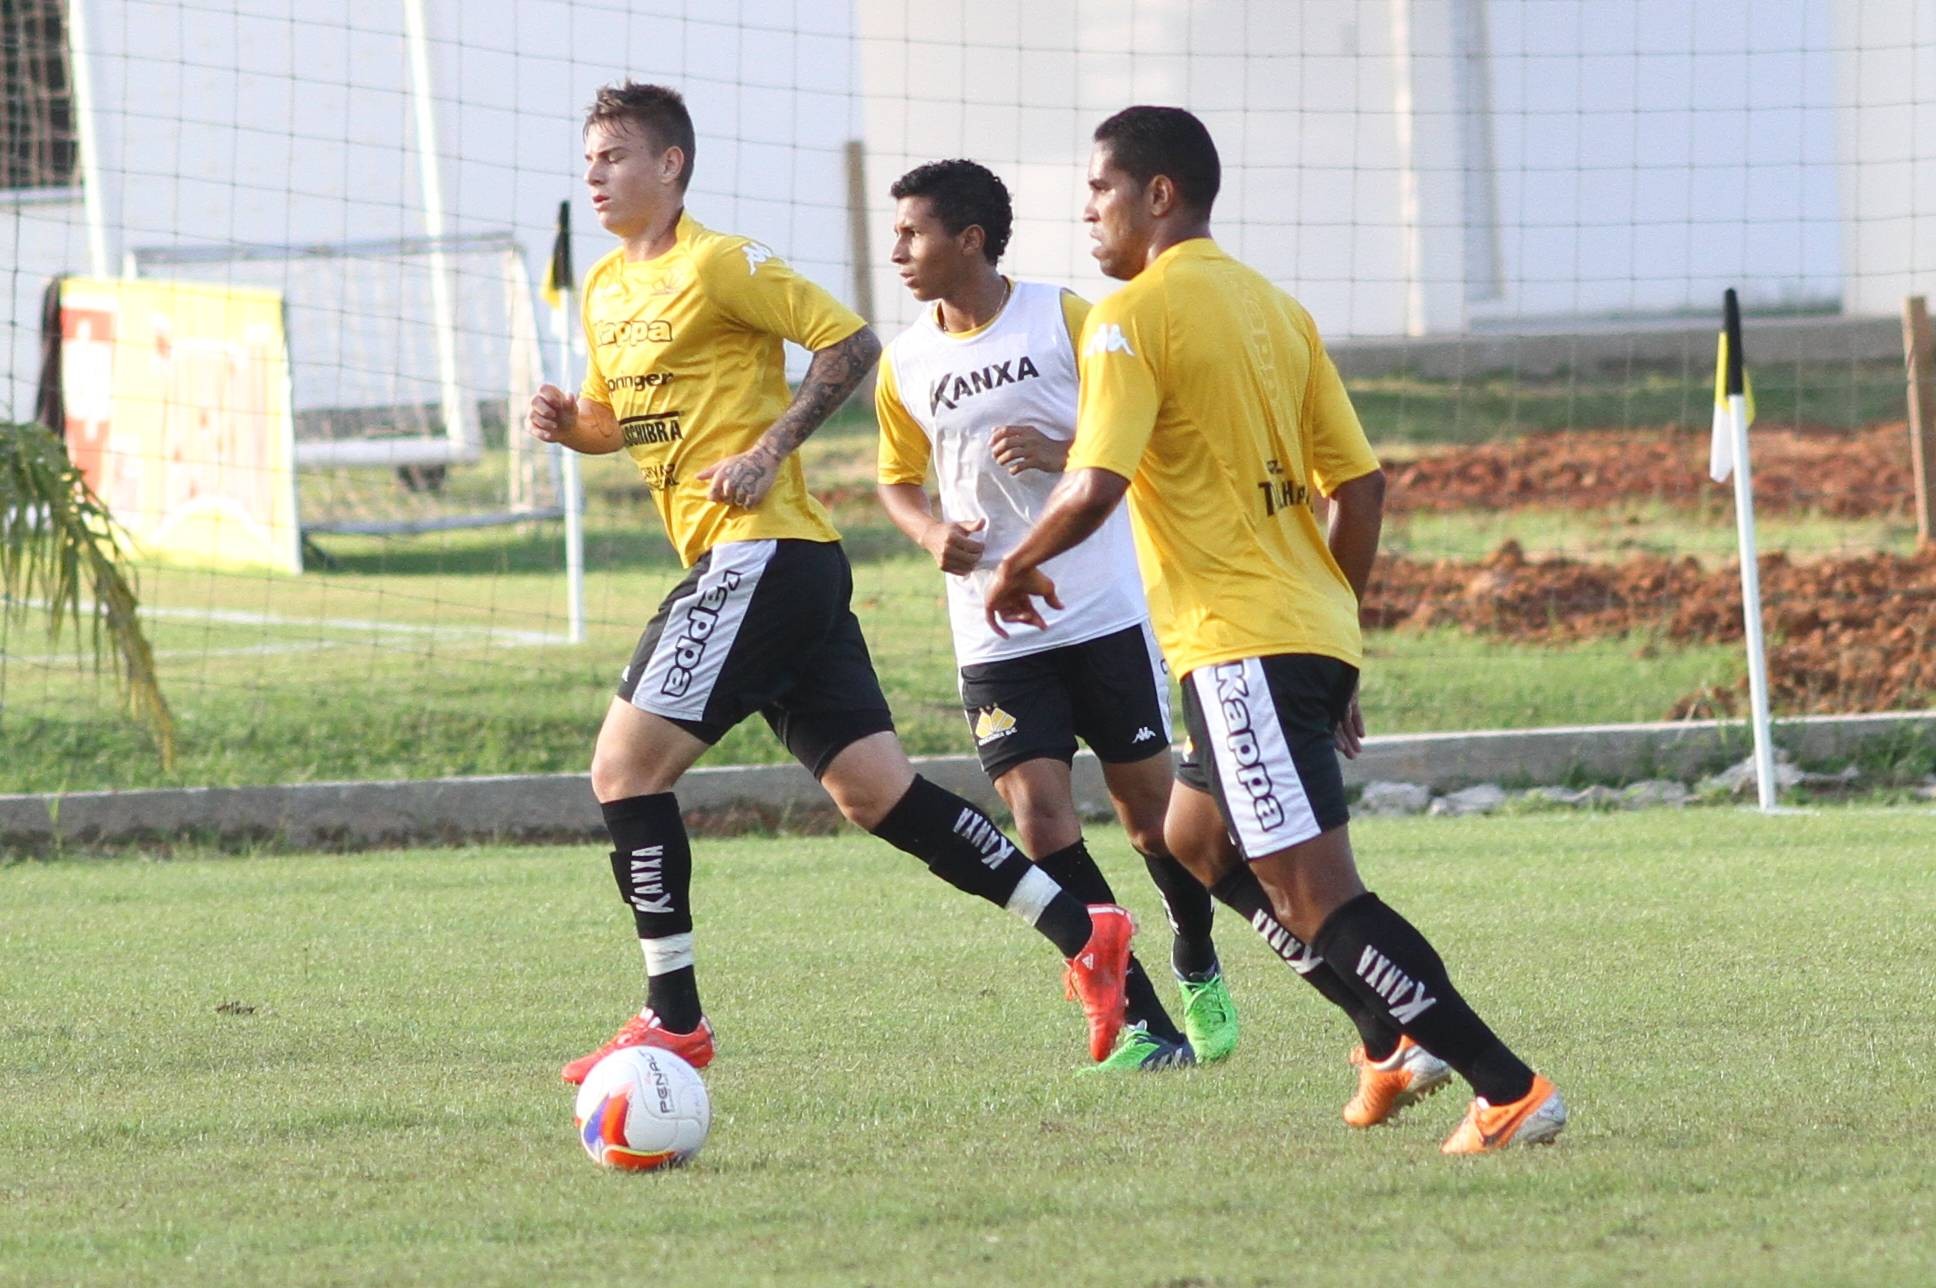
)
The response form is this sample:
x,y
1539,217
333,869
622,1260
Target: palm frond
x,y
56,540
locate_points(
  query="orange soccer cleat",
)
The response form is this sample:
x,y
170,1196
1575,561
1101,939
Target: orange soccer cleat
x,y
644,1029
1405,1077
1533,1119
1097,974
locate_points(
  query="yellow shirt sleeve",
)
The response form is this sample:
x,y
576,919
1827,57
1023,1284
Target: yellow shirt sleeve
x,y
593,386
1119,393
904,447
757,289
1075,311
1340,451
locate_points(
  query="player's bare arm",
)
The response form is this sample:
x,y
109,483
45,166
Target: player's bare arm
x,y
836,371
581,424
1077,507
1023,447
955,547
1357,518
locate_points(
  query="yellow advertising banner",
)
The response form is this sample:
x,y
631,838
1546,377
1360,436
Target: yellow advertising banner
x,y
178,415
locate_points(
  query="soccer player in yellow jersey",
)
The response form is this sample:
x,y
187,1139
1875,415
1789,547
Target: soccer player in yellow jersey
x,y
1207,397
687,375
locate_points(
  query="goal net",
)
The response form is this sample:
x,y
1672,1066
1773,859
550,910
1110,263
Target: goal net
x,y
411,363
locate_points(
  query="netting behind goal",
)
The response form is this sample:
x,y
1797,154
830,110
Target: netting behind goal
x,y
411,362
1512,220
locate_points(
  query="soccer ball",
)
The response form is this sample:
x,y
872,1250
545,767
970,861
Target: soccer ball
x,y
641,1108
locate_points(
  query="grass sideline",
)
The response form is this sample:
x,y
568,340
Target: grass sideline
x,y
419,658
343,1070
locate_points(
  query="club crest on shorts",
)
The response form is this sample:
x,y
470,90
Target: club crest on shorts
x,y
993,723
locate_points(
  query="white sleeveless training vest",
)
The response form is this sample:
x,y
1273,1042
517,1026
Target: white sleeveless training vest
x,y
1018,370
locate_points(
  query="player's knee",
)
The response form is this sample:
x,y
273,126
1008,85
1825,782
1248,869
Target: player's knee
x,y
1146,835
863,808
616,777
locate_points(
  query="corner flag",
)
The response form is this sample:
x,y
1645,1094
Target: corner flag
x,y
558,279
1728,456
1730,378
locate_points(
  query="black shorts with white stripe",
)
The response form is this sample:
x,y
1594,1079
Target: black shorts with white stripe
x,y
1113,692
767,627
1262,743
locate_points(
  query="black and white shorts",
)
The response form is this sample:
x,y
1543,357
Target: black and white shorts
x,y
1261,742
1113,692
762,626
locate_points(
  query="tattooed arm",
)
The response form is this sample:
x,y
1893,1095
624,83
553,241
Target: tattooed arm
x,y
744,480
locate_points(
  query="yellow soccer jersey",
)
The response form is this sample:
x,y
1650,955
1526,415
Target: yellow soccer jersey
x,y
687,351
1208,388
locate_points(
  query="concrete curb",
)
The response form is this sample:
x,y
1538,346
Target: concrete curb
x,y
560,807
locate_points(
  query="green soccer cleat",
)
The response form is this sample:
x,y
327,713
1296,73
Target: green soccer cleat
x,y
1209,1017
1140,1050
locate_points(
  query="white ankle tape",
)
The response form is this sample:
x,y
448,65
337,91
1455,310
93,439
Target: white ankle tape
x,y
1032,895
663,956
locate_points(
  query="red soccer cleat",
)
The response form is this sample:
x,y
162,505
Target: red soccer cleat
x,y
644,1029
1097,973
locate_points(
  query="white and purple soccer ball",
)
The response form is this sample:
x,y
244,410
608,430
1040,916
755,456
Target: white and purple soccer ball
x,y
641,1109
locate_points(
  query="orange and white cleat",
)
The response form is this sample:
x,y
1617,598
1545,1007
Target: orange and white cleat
x,y
1533,1119
645,1029
1097,974
1405,1077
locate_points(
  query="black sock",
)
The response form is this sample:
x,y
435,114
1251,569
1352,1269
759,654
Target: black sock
x,y
1241,891
1075,870
963,847
653,868
1193,955
1392,967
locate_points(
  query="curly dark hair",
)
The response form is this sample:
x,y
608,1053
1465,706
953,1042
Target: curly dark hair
x,y
657,111
1144,142
963,194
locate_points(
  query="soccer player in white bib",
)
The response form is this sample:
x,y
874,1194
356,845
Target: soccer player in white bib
x,y
688,376
1208,398
983,387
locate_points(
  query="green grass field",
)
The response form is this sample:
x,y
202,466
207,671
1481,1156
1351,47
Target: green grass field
x,y
323,1070
443,654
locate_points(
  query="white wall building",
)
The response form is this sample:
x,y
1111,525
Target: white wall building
x,y
291,121
1407,167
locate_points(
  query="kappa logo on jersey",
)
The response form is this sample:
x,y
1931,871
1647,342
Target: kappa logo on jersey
x,y
636,331
1233,694
702,622
994,723
951,388
756,255
1144,734
1391,983
973,827
646,431
1108,339
648,880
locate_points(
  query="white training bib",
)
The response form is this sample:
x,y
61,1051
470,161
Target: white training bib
x,y
1018,370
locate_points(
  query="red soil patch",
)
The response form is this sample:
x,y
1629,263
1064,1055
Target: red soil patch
x,y
1844,634
1842,473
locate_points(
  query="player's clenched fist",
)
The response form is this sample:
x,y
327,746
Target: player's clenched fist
x,y
955,547
553,415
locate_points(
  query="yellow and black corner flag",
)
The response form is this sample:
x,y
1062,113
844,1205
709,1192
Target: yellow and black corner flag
x,y
1730,380
558,278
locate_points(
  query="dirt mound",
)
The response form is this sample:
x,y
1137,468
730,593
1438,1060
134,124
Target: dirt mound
x,y
1847,634
1847,474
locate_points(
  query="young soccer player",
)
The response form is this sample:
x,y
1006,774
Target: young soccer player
x,y
1207,396
687,375
984,386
